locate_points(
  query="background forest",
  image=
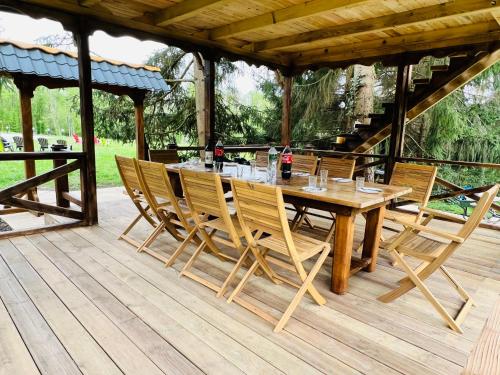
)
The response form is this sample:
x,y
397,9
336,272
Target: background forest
x,y
464,126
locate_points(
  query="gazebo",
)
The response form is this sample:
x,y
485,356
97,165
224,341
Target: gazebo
x,y
31,66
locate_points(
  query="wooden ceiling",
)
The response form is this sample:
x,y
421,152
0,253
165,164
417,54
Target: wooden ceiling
x,y
292,35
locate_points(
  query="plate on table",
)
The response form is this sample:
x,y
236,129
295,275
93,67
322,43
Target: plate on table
x,y
255,179
225,174
341,180
370,190
313,189
300,174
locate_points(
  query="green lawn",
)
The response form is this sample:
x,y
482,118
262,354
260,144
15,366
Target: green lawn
x,y
12,172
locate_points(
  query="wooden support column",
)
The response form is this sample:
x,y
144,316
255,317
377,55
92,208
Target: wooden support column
x,y
209,70
286,120
89,190
138,99
398,119
26,90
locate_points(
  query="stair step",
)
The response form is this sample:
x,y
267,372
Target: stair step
x,y
440,68
421,81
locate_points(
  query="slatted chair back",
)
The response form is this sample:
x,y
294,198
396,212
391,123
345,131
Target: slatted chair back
x,y
482,207
43,142
261,158
419,177
336,167
154,184
164,156
61,142
128,174
304,163
18,141
158,190
261,207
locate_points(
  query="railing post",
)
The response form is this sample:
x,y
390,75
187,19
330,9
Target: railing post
x,y
89,186
61,185
398,120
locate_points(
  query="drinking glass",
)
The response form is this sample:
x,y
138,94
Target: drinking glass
x,y
313,181
240,169
253,168
323,178
360,182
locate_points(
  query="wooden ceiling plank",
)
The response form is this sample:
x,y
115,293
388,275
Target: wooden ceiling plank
x,y
449,37
410,18
184,10
294,12
88,3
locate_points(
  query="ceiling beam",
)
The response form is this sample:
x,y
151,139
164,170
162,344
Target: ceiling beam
x,y
431,40
184,10
88,3
290,13
378,24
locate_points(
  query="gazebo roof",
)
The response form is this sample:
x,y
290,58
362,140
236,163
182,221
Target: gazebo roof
x,y
293,35
57,65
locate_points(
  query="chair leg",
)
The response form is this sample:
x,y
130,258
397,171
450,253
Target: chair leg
x,y
426,292
243,281
317,297
181,248
233,272
191,260
130,226
306,286
465,296
153,236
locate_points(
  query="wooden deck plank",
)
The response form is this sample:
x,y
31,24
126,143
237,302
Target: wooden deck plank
x,y
87,354
121,349
167,281
164,355
46,351
375,350
241,355
485,358
14,355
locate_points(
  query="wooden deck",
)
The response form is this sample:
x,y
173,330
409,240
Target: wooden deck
x,y
80,301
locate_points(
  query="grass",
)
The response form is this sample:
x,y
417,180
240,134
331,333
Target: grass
x,y
12,172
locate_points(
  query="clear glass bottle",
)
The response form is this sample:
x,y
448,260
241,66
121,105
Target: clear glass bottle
x,y
272,165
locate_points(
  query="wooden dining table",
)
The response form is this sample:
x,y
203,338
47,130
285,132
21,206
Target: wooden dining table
x,y
340,198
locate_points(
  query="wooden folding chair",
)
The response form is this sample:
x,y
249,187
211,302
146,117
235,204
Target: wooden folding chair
x,y
303,163
261,210
433,254
130,180
342,168
261,158
205,199
171,212
421,179
164,156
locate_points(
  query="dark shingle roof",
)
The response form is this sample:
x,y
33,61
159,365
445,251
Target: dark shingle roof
x,y
49,62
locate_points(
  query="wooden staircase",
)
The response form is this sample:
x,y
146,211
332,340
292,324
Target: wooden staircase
x,y
427,92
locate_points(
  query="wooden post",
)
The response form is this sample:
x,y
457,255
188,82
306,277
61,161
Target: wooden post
x,y
26,90
89,188
139,125
398,119
61,185
286,123
209,70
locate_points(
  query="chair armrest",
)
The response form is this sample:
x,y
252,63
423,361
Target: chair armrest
x,y
437,232
442,214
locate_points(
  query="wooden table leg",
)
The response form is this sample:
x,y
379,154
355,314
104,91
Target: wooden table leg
x,y
373,231
344,232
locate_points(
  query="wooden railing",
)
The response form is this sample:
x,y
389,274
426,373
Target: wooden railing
x,y
12,197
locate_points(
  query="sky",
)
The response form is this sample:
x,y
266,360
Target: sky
x,y
126,49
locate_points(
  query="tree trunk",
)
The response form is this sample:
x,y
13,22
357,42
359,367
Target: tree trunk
x,y
364,79
199,82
